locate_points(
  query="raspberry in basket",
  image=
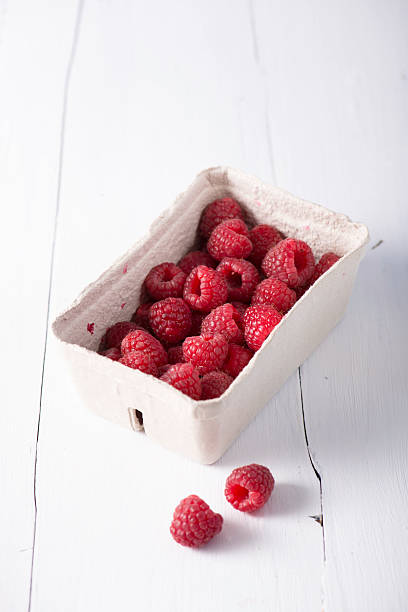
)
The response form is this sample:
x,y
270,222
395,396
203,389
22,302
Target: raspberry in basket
x,y
206,352
259,322
112,353
170,320
205,289
263,238
175,354
165,280
248,488
141,315
214,384
291,261
225,320
139,360
274,292
230,239
115,334
196,258
242,277
326,261
194,523
140,340
217,212
185,378
237,359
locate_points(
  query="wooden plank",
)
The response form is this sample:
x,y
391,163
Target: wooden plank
x,y
33,56
141,122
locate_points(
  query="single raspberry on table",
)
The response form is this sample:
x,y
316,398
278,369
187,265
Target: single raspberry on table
x,y
325,262
263,238
112,353
141,315
274,292
248,488
170,320
291,261
205,289
206,352
259,322
140,360
175,354
224,320
165,280
230,239
214,384
115,334
196,258
240,306
197,319
237,359
242,277
217,212
194,523
185,378
140,340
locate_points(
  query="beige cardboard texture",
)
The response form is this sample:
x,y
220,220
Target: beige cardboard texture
x,y
203,430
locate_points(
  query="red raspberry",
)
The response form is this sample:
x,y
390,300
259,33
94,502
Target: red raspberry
x,y
140,340
259,322
248,488
194,523
275,293
242,277
165,280
115,334
206,352
301,290
230,239
291,261
141,316
237,359
175,354
162,369
326,261
205,289
214,384
240,306
185,378
263,238
140,360
170,320
197,319
112,353
224,320
194,259
217,212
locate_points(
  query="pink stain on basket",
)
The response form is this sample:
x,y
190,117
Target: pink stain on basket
x,y
90,327
125,268
123,305
307,228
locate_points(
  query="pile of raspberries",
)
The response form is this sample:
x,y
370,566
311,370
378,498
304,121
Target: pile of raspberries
x,y
204,318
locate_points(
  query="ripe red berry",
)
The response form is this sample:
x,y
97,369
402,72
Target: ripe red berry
x,y
263,238
141,315
185,378
242,277
175,354
275,293
217,212
205,289
326,261
141,340
224,320
170,320
291,261
237,359
140,360
259,322
196,258
214,384
240,306
194,523
206,352
112,353
115,334
248,488
165,280
230,239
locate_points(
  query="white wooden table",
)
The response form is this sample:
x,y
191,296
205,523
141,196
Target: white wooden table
x,y
107,111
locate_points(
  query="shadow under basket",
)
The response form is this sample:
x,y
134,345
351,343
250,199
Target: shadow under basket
x,y
203,430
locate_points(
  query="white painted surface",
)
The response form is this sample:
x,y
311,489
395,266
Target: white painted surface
x,y
310,96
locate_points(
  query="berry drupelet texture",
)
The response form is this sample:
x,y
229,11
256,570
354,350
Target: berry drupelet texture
x,y
248,488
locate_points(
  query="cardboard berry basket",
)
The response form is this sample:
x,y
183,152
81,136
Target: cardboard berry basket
x,y
203,430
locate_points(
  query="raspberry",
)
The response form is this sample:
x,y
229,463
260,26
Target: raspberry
x,y
206,352
197,319
115,334
217,212
240,306
112,353
242,277
140,340
248,488
194,523
263,238
175,354
163,369
140,360
185,378
291,261
237,359
326,261
259,322
170,320
214,384
230,239
194,259
141,315
165,280
224,320
301,290
205,289
275,293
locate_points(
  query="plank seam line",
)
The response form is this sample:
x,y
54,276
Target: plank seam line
x,y
67,80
